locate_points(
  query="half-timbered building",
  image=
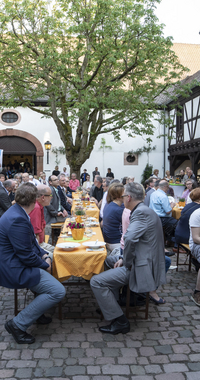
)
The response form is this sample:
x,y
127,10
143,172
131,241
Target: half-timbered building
x,y
184,134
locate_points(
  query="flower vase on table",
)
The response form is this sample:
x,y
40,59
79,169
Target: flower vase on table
x,y
77,234
77,230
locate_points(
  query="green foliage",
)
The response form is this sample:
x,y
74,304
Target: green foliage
x,y
98,64
103,145
146,173
144,149
56,151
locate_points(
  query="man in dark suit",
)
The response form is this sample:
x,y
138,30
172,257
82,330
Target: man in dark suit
x,y
62,194
25,265
5,190
142,264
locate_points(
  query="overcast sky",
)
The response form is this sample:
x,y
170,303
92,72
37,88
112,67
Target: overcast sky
x,y
182,19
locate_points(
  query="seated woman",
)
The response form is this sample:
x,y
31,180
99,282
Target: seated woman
x,y
182,232
194,243
112,216
168,177
190,185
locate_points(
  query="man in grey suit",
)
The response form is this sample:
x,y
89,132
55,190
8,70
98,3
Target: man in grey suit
x,y
55,209
142,265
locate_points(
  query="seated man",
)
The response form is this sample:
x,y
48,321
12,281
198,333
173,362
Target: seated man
x,y
25,265
143,263
55,209
5,201
159,203
62,194
74,183
98,189
37,217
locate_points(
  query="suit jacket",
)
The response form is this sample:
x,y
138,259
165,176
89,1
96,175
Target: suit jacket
x,y
20,253
144,250
5,201
51,211
63,199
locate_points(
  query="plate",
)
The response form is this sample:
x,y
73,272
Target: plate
x,y
68,246
91,244
90,218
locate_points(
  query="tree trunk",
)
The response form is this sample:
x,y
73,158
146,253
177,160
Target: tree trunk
x,y
75,169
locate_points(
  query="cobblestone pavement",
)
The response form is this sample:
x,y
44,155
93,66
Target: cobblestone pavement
x,y
165,347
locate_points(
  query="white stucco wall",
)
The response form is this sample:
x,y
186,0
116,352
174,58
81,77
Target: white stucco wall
x,y
45,129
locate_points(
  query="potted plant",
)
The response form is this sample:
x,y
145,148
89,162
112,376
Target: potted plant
x,y
181,202
79,212
77,230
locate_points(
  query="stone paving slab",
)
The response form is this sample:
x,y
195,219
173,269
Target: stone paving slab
x,y
165,347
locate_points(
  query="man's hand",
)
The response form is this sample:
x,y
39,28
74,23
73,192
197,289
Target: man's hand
x,y
69,200
119,263
48,261
65,213
60,213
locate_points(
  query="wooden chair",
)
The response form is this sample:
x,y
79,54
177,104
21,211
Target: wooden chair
x,y
188,253
136,309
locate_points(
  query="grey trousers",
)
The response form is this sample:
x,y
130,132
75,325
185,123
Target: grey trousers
x,y
105,287
50,291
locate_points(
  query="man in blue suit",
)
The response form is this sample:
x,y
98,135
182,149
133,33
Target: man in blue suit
x,y
25,265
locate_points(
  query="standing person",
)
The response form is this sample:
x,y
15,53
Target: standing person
x,y
25,265
64,172
74,183
142,265
95,172
25,177
56,171
109,173
84,176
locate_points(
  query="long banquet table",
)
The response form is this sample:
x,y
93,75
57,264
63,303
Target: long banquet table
x,y
79,262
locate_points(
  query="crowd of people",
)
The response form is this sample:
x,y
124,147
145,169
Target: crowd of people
x,y
136,222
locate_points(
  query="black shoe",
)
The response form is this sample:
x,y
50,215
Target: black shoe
x,y
20,336
167,253
43,320
116,327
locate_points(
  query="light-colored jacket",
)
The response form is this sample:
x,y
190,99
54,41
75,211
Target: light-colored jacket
x,y
144,250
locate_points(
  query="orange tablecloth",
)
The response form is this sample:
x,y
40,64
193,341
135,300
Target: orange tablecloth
x,y
176,213
92,211
79,262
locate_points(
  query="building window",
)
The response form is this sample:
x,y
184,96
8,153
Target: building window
x,y
10,117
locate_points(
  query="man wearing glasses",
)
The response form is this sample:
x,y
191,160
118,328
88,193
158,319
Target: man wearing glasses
x,y
142,264
37,217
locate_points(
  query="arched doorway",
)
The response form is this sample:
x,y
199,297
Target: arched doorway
x,y
21,146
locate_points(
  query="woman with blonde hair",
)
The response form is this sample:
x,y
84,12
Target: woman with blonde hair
x,y
112,216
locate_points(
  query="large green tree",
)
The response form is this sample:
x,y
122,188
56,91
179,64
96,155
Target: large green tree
x,y
100,64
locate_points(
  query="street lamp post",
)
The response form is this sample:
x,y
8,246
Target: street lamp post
x,y
47,145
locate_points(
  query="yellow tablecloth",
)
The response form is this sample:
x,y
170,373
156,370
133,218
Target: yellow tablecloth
x,y
91,210
79,262
176,213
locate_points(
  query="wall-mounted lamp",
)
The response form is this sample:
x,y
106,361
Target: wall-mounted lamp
x,y
47,145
